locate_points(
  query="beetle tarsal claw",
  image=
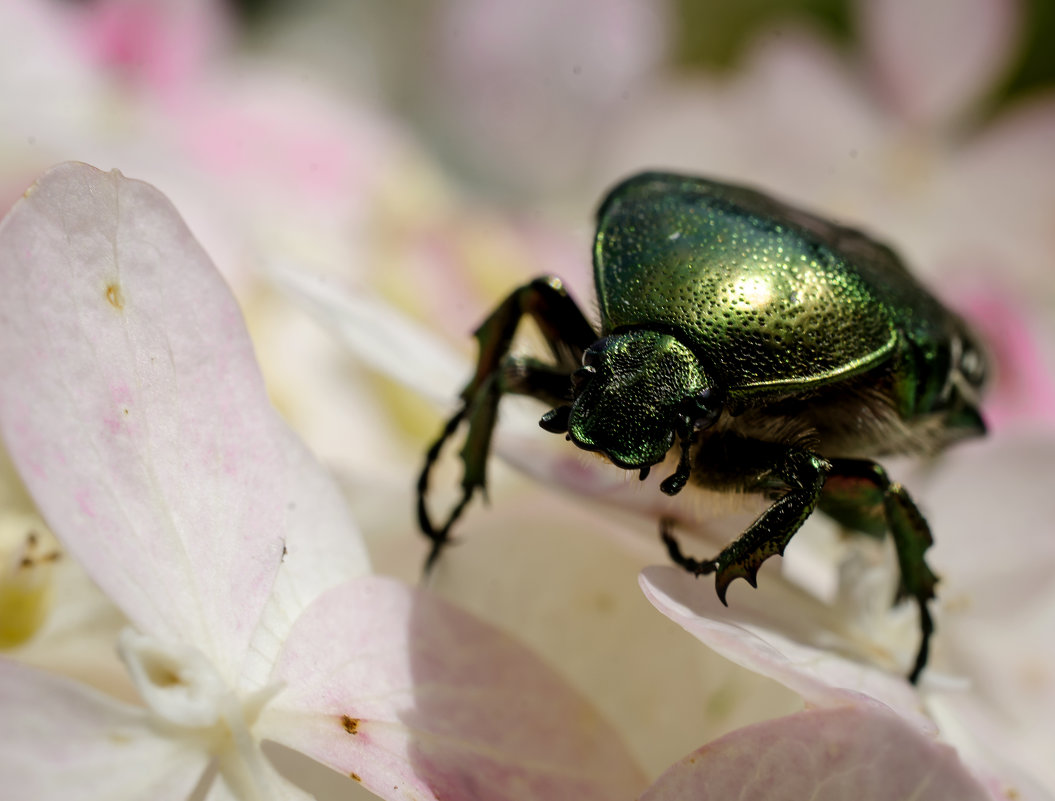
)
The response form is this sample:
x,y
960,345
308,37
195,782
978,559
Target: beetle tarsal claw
x,y
439,545
727,573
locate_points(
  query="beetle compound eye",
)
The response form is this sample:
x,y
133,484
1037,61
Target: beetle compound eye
x,y
703,409
972,365
581,376
591,357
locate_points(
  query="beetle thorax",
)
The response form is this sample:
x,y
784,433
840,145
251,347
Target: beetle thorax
x,y
635,391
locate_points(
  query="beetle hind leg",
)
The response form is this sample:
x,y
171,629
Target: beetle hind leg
x,y
860,495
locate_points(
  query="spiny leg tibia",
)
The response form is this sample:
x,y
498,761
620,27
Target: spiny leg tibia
x,y
757,466
859,494
568,334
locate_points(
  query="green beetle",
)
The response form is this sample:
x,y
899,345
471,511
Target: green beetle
x,y
776,351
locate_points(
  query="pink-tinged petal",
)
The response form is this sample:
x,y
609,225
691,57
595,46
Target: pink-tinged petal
x,y
999,202
135,412
416,698
128,407
760,640
1000,756
539,80
794,122
988,503
994,548
62,740
859,752
934,59
1021,390
162,44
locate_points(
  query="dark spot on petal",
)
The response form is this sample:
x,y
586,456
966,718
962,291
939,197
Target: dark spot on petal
x,y
163,675
351,725
355,777
114,296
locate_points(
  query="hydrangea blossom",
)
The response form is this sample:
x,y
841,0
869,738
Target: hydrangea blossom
x,y
132,406
797,160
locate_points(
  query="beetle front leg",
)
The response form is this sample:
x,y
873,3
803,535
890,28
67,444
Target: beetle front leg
x,y
760,466
568,334
516,375
866,484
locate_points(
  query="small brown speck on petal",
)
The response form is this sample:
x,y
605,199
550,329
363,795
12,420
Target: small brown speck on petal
x,y
114,296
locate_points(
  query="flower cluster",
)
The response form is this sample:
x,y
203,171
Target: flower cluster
x,y
187,607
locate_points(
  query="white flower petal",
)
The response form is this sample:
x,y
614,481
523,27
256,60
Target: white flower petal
x,y
60,740
322,548
134,409
820,676
379,335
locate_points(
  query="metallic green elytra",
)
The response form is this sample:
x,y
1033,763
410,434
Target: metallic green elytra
x,y
770,350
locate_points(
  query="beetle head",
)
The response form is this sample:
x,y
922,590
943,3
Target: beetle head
x,y
636,391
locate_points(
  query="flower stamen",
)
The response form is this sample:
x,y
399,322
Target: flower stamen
x,y
28,552
188,696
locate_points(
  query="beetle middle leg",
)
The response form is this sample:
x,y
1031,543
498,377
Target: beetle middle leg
x,y
568,334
